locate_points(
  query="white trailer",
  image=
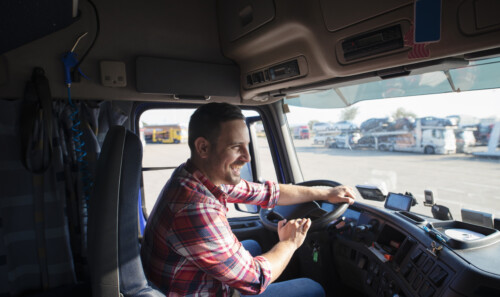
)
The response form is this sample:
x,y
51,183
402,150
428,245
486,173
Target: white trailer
x,y
493,143
421,139
325,137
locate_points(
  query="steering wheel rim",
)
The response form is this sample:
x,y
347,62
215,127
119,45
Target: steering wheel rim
x,y
306,209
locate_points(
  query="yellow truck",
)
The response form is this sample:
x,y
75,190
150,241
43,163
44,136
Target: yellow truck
x,y
165,134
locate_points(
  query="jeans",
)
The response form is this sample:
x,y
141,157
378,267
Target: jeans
x,y
299,287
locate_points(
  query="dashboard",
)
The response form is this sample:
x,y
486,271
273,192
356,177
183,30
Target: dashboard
x,y
385,252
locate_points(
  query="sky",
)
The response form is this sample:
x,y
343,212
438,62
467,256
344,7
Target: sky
x,y
480,104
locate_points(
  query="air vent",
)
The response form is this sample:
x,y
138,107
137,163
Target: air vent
x,y
373,43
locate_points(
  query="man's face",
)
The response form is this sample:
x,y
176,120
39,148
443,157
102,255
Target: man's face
x,y
229,153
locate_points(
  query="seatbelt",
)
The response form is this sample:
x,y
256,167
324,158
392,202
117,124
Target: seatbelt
x,y
36,135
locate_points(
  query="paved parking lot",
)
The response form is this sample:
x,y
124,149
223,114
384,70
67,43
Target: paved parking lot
x,y
460,181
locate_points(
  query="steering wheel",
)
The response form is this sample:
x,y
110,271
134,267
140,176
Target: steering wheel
x,y
320,218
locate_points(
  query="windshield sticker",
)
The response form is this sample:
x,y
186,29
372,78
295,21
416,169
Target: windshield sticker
x,y
418,50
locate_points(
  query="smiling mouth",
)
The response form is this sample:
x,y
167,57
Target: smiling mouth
x,y
236,168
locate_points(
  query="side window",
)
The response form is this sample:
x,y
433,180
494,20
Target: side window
x,y
164,135
262,154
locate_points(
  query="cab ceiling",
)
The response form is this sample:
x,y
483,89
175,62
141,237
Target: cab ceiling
x,y
250,36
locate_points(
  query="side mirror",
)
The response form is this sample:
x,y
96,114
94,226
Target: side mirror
x,y
248,208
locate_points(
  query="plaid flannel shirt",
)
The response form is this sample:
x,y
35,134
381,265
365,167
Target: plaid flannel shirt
x,y
189,248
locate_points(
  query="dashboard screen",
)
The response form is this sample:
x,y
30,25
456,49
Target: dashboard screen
x,y
398,202
349,214
327,206
352,215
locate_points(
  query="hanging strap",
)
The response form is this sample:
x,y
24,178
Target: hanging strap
x,y
38,205
36,134
36,124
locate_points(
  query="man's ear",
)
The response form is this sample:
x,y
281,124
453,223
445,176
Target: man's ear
x,y
202,147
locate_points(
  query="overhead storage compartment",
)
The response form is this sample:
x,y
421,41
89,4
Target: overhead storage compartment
x,y
479,16
21,23
244,16
339,14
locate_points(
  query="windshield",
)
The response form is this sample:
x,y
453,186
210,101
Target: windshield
x,y
409,136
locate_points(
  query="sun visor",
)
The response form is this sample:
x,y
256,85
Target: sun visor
x,y
186,78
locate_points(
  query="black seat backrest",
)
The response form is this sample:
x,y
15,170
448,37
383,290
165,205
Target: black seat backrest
x,y
113,244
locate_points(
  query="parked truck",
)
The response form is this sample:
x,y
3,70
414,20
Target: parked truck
x,y
301,132
421,138
165,134
325,137
345,140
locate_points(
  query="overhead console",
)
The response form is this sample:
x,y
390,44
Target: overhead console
x,y
292,69
307,42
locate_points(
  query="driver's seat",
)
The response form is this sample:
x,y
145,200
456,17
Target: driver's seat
x,y
113,241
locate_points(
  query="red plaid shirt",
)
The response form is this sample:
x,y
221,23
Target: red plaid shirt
x,y
189,248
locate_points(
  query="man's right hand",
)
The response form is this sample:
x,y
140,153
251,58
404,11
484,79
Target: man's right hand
x,y
294,231
292,235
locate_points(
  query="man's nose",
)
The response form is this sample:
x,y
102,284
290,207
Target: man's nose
x,y
245,156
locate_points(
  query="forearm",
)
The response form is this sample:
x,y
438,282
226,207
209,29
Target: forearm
x,y
279,257
292,194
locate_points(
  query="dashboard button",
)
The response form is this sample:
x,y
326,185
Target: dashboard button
x,y
406,269
426,290
421,260
369,280
418,281
411,275
415,255
438,275
428,265
371,266
362,262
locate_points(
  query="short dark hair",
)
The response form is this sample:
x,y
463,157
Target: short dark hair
x,y
206,120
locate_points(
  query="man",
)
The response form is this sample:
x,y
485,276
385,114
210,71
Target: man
x,y
189,248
